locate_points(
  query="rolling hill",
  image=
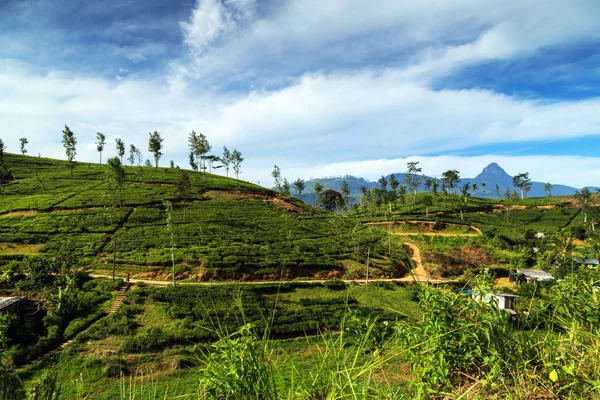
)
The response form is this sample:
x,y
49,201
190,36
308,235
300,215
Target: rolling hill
x,y
225,229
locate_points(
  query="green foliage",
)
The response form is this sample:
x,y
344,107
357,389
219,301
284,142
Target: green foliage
x,y
236,369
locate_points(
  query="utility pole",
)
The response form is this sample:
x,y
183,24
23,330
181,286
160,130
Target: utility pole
x,y
114,257
368,253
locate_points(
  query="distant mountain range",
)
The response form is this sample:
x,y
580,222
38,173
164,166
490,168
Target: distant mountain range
x,y
492,174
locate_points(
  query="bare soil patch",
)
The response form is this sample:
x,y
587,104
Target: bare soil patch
x,y
19,213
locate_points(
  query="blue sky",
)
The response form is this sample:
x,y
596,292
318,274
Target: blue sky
x,y
318,88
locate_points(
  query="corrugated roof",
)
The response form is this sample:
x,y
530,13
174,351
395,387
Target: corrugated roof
x,y
536,274
9,301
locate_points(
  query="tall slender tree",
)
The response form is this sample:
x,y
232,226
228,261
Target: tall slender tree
x,y
193,161
183,189
548,189
2,150
413,178
236,161
345,191
522,182
23,141
299,185
169,211
115,181
199,146
318,188
120,146
132,153
100,142
584,200
69,143
285,188
276,174
155,146
226,159
450,178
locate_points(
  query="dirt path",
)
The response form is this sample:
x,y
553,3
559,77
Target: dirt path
x,y
433,234
427,222
419,272
420,275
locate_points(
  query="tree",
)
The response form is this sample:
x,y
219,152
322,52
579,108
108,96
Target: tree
x,y
23,142
548,189
331,199
226,159
210,160
383,183
100,142
183,187
155,146
584,200
497,190
148,163
474,187
508,199
450,179
394,183
318,188
2,150
276,174
412,178
115,181
171,164
522,182
169,212
427,202
299,185
285,188
427,183
120,146
345,190
69,142
434,187
402,194
193,161
236,161
132,154
483,187
199,146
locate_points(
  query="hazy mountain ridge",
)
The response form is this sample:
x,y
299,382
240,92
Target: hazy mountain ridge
x,y
492,174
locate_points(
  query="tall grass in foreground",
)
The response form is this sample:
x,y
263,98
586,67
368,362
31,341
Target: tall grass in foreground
x,y
460,348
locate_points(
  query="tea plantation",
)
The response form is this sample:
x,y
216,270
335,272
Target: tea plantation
x,y
225,228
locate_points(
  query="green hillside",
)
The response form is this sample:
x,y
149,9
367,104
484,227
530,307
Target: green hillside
x,y
225,229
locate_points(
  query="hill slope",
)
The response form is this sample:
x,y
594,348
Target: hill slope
x,y
229,229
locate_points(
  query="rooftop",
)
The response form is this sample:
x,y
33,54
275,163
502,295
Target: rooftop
x,y
9,301
536,274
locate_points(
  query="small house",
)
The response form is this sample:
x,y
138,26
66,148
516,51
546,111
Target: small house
x,y
504,301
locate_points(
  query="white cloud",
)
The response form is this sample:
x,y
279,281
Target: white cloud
x,y
435,36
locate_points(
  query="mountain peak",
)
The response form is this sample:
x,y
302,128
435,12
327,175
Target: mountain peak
x,y
493,172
